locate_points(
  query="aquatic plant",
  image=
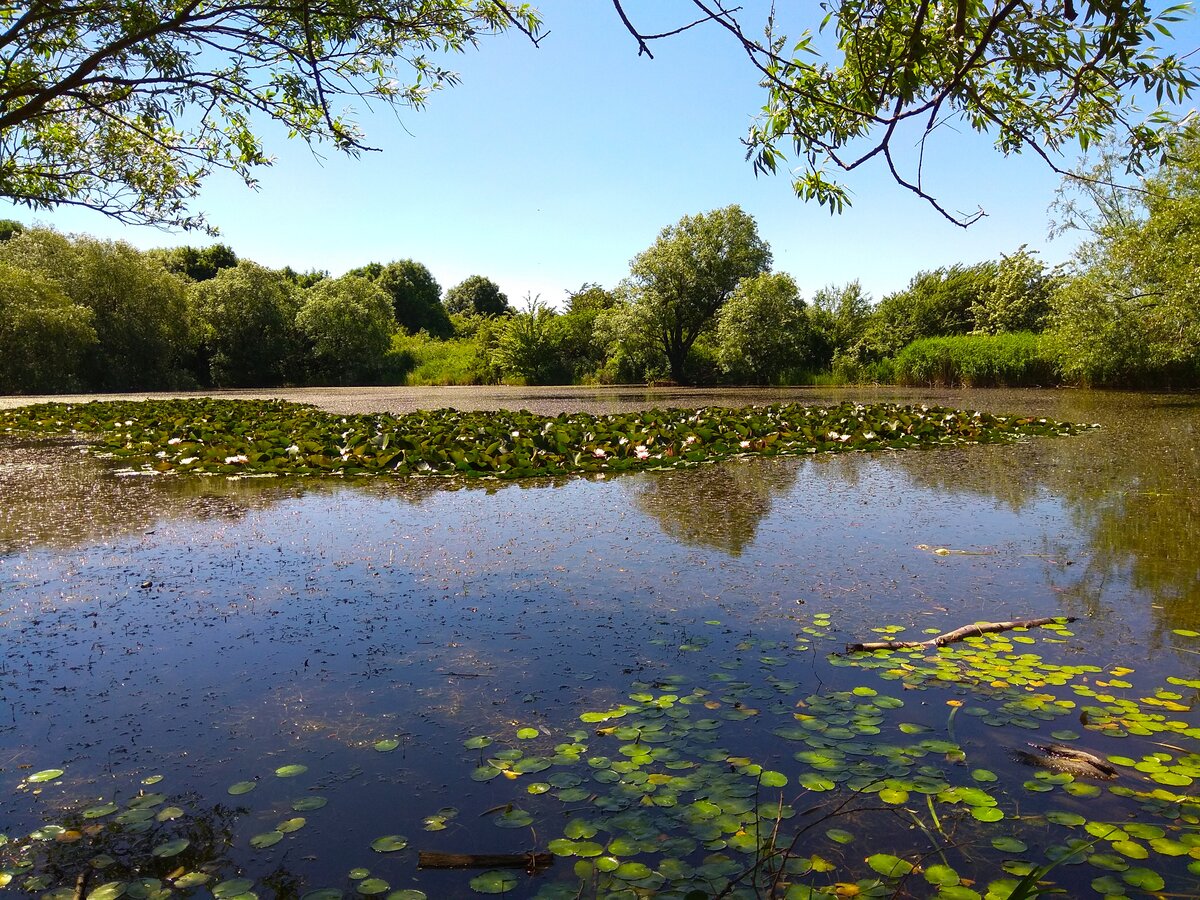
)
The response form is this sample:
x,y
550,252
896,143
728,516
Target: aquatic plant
x,y
271,437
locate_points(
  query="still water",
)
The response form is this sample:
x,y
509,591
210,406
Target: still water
x,y
213,631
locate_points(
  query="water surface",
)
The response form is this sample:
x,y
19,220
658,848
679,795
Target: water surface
x,y
213,630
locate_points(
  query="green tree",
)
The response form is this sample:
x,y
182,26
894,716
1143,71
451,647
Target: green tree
x,y
347,323
244,320
685,277
763,330
416,295
529,345
624,333
139,308
1018,299
196,263
43,334
935,304
1129,314
887,75
837,317
125,108
477,295
583,355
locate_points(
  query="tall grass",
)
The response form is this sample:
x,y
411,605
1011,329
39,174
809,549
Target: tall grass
x,y
977,360
424,361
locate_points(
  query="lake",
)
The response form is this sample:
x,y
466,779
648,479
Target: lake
x,y
280,687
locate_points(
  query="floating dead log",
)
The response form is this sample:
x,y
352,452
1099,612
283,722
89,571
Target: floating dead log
x,y
958,634
428,859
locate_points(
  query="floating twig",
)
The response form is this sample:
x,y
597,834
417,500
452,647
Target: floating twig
x,y
958,634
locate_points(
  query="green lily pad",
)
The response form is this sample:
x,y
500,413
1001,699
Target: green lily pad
x,y
291,771
232,888
389,843
889,866
266,839
242,787
171,848
43,776
494,881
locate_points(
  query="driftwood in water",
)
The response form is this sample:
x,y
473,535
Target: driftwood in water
x,y
958,634
427,859
1073,761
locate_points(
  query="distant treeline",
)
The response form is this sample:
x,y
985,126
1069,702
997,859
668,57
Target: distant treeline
x,y
701,305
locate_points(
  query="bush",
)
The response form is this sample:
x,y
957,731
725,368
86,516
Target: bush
x,y
976,360
528,345
849,369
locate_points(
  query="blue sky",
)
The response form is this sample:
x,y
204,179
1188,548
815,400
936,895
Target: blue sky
x,y
552,166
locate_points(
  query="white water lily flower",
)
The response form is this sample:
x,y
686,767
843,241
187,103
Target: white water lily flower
x,y
745,445
641,451
161,454
843,438
868,435
188,461
233,460
173,441
691,439
516,434
834,436
293,450
599,452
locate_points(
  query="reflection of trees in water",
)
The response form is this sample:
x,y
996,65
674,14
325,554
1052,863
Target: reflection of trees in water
x,y
54,494
1132,490
717,505
67,859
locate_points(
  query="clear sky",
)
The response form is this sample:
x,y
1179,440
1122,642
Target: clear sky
x,y
552,166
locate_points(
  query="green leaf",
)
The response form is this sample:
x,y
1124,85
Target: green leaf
x,y
889,866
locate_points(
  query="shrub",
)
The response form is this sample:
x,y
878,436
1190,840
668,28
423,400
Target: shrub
x,y
976,360
528,345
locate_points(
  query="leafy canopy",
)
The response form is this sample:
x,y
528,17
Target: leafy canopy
x,y
686,276
127,107
1130,314
881,76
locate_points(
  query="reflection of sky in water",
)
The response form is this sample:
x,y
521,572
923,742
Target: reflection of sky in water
x,y
212,630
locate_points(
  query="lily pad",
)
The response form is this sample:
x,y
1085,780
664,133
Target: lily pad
x,y
389,843
494,881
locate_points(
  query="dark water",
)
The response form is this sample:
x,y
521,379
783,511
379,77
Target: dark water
x,y
211,631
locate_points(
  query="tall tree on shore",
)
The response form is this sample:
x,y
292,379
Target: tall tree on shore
x,y
686,276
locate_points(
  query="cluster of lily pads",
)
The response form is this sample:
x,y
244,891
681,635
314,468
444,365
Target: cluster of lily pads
x,y
658,803
271,437
153,848
863,791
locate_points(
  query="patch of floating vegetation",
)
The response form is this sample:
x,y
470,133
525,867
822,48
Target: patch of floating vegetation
x,y
271,437
865,791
